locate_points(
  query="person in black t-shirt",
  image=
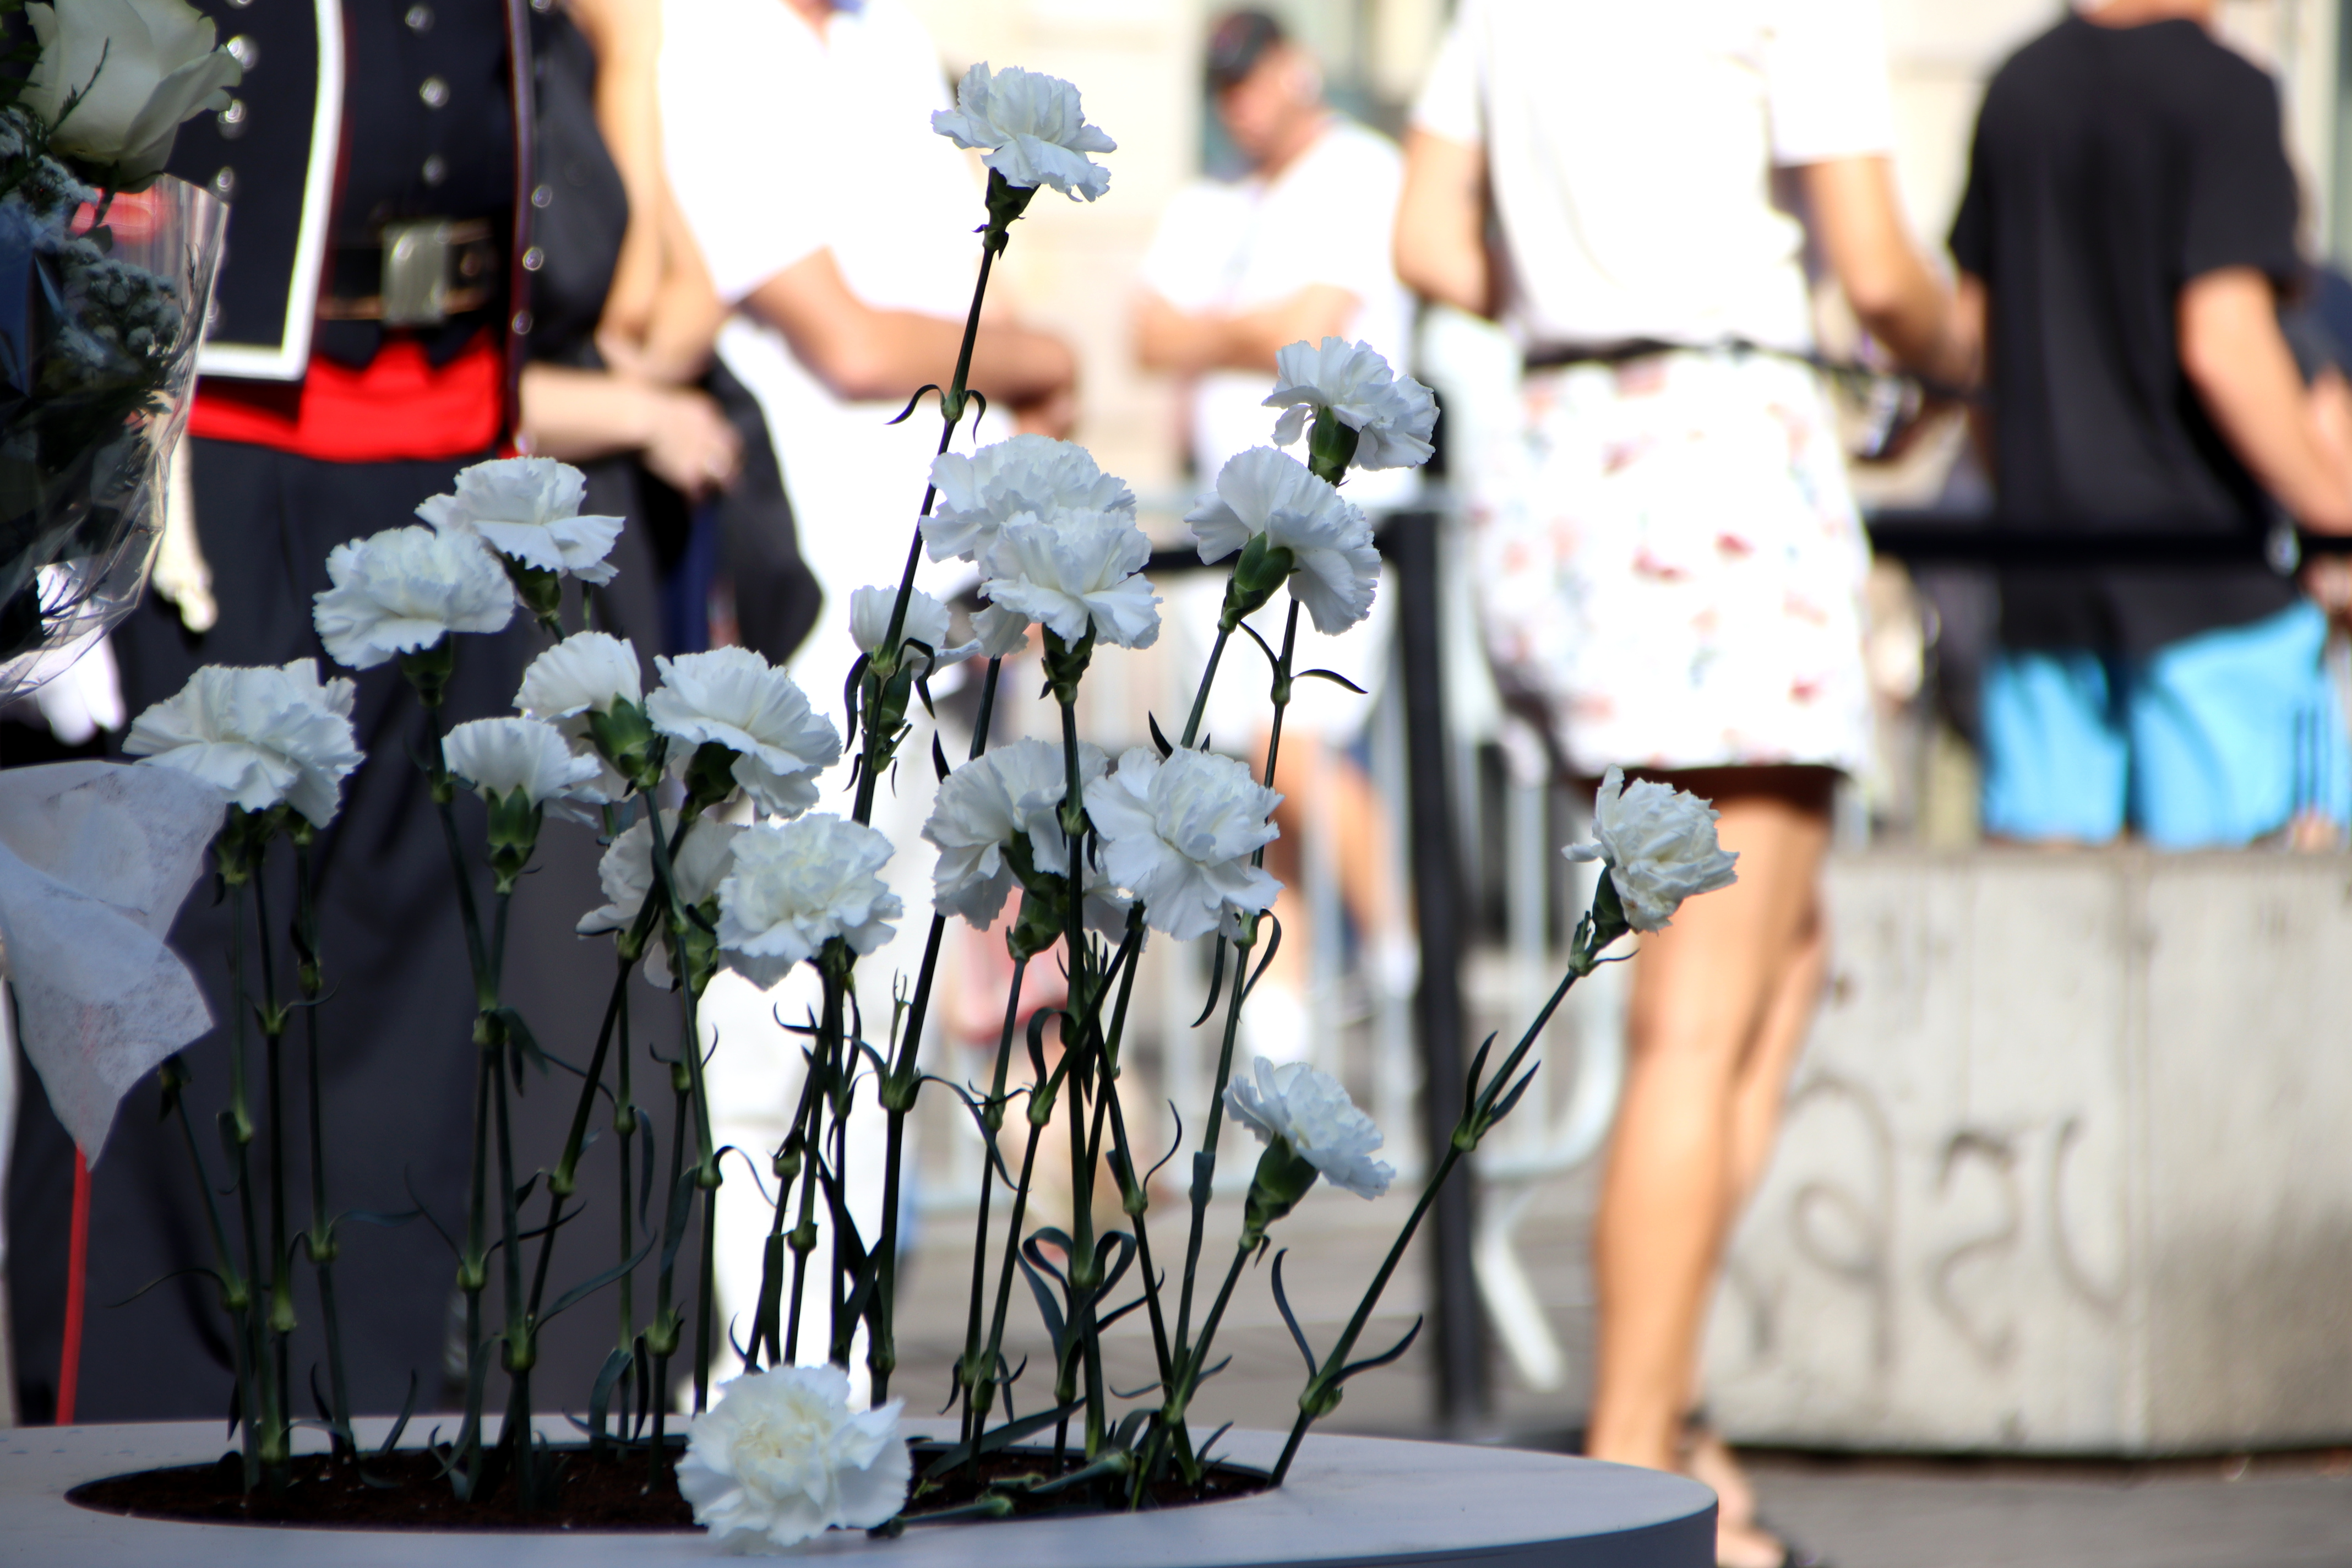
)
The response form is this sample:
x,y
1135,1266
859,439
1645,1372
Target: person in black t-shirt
x,y
2128,232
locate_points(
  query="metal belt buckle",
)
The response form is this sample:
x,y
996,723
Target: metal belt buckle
x,y
420,266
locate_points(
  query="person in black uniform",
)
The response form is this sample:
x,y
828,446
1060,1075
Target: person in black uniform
x,y
373,308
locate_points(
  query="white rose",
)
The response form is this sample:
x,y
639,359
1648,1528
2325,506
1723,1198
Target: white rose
x,y
1179,835
927,622
1392,415
499,756
262,735
528,509
143,67
780,1457
405,589
585,673
1070,570
1032,129
1309,1110
1659,845
979,494
733,697
1009,792
795,887
1262,490
626,874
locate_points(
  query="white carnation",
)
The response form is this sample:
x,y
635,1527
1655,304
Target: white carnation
x,y
733,697
927,622
1659,844
626,874
798,885
585,673
1032,129
1392,415
1002,632
1070,570
1309,1110
1178,835
262,736
1011,793
404,590
500,756
980,494
528,509
780,1457
1265,492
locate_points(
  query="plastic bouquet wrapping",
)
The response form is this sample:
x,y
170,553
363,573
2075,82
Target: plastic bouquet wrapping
x,y
106,270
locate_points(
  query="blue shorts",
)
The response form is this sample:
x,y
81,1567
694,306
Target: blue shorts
x,y
2209,742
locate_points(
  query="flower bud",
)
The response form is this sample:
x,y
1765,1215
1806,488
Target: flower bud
x,y
627,739
1264,567
1330,447
1282,1178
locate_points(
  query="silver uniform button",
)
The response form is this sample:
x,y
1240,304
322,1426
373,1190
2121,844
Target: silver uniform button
x,y
435,170
419,19
541,194
243,50
522,323
433,91
232,120
225,184
533,260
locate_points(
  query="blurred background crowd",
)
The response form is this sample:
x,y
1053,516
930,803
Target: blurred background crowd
x,y
1712,298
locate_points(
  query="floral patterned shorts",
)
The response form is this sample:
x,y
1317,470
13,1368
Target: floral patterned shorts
x,y
1669,566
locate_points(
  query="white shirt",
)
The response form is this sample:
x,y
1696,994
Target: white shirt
x,y
779,143
1228,247
1630,148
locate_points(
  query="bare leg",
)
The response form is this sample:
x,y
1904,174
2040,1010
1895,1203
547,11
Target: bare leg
x,y
1710,995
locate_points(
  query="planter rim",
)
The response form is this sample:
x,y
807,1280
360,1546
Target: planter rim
x,y
1350,1502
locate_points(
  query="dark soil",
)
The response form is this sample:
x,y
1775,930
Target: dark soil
x,y
405,1490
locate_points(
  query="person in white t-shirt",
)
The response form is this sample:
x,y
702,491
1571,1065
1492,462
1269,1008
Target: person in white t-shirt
x,y
1297,249
1668,559
838,225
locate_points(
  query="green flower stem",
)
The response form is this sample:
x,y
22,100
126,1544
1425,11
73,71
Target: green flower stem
x,y
972,1370
520,1350
321,1244
898,1100
280,1320
809,1128
1208,678
662,1335
472,1274
237,1292
1204,1161
1081,1034
625,1132
982,1396
265,1434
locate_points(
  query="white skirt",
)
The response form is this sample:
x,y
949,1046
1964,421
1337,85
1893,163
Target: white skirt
x,y
1669,563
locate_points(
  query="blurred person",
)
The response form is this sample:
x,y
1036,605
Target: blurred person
x,y
1668,561
838,227
1295,249
318,419
2126,237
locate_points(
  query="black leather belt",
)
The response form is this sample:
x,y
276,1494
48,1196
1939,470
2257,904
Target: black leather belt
x,y
421,273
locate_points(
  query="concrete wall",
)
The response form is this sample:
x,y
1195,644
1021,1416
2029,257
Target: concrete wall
x,y
2068,1164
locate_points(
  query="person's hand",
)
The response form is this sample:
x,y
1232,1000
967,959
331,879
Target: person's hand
x,y
691,447
1054,415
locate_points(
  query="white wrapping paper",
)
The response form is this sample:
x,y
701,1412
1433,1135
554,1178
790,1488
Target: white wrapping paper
x,y
95,859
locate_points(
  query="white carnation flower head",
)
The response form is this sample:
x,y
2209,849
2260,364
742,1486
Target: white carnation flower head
x,y
927,622
586,673
733,698
1392,415
980,494
796,885
402,591
1011,793
703,859
1178,835
780,1457
1264,491
528,509
1659,845
1309,1110
496,757
1031,128
1069,570
261,735
1002,632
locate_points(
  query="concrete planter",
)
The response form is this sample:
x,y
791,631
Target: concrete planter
x,y
1349,1501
